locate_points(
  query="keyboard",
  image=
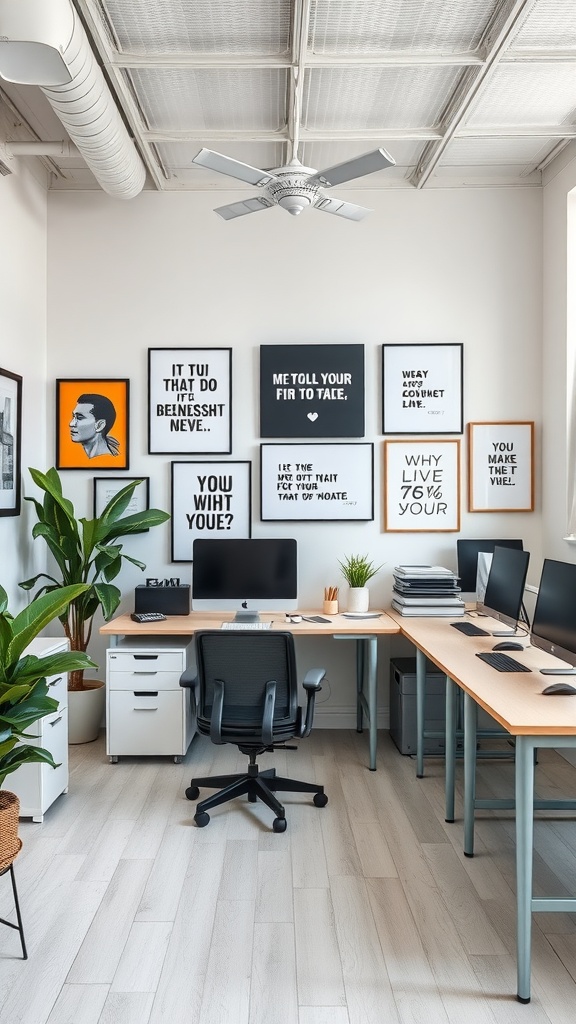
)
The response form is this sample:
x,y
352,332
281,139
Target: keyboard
x,y
503,662
245,625
470,629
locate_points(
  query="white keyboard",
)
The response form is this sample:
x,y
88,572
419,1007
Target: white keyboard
x,y
245,625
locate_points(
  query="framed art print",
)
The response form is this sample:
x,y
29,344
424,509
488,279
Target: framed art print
x,y
10,442
501,467
92,423
189,401
317,482
422,486
106,487
209,500
422,389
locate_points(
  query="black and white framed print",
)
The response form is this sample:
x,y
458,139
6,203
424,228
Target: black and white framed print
x,y
106,487
422,486
422,389
312,391
322,482
10,442
189,401
209,499
501,467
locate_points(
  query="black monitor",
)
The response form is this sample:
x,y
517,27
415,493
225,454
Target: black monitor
x,y
554,622
246,576
467,553
505,586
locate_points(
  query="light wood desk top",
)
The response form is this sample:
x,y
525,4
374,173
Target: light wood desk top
x,y
514,699
187,625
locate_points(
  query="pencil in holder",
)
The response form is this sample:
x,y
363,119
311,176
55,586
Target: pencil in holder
x,y
330,607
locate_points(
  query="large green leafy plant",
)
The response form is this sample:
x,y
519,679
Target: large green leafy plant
x,y
86,551
23,688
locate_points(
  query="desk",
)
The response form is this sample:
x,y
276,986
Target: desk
x,y
515,701
364,631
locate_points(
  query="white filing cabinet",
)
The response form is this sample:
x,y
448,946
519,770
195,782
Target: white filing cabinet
x,y
38,785
147,711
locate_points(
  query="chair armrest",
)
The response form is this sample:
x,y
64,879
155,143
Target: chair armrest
x,y
313,678
311,684
189,679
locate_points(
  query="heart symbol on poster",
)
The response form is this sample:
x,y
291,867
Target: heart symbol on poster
x,y
313,416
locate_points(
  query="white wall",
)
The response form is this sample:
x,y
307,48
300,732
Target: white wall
x,y
23,212
434,266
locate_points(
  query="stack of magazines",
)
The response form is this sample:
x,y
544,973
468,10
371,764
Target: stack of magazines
x,y
426,590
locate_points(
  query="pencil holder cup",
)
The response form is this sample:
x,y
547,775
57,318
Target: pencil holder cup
x,y
330,607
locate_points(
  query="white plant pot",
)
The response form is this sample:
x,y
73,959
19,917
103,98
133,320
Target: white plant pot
x,y
358,599
86,711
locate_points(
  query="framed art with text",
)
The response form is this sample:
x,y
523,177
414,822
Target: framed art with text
x,y
10,442
501,467
422,486
312,391
322,482
189,401
422,389
209,499
106,487
92,423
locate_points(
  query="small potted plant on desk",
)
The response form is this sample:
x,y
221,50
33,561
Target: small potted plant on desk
x,y
86,551
357,570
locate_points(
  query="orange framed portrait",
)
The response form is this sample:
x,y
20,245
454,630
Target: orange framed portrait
x,y
92,423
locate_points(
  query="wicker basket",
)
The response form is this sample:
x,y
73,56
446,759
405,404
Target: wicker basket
x,y
10,843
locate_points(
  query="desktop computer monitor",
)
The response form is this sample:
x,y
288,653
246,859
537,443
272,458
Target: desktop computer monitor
x,y
245,576
467,554
554,622
505,586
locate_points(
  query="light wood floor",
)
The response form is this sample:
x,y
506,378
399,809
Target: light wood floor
x,y
362,912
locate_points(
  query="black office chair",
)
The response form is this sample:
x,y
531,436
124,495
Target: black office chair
x,y
247,693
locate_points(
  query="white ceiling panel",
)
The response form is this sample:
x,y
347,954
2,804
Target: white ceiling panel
x,y
527,94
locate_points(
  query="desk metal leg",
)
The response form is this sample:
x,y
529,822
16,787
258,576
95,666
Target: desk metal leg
x,y
366,676
470,729
420,711
371,653
450,748
359,685
524,774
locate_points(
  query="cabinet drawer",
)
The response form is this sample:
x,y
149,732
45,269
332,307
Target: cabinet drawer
x,y
144,679
141,661
146,724
58,688
38,785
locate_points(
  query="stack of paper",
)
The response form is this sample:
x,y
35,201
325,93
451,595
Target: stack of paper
x,y
426,590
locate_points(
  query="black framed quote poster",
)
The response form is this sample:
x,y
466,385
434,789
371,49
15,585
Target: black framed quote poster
x,y
312,391
189,401
209,499
501,467
320,482
422,486
10,442
422,389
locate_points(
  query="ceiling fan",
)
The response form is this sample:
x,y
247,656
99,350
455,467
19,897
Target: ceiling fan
x,y
294,187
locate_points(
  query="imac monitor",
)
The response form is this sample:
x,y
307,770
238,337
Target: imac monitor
x,y
467,554
505,586
554,622
245,576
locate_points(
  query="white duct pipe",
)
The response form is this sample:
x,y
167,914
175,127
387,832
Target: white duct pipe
x,y
43,42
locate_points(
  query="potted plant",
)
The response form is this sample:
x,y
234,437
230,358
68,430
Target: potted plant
x,y
357,570
24,696
86,551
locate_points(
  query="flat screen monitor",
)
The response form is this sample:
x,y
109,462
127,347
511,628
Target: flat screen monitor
x,y
245,576
467,554
554,622
505,586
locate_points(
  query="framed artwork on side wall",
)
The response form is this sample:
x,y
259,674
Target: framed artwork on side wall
x,y
10,442
422,486
92,423
501,467
189,401
211,500
422,389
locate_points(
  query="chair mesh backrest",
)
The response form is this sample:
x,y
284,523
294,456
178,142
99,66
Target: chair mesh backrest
x,y
245,662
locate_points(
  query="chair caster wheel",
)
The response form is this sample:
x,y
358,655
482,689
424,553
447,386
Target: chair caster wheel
x,y
320,799
279,824
201,819
192,793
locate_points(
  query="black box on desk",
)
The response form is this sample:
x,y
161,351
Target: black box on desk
x,y
403,705
168,600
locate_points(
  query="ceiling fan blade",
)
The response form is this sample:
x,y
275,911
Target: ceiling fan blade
x,y
341,209
236,169
350,169
252,205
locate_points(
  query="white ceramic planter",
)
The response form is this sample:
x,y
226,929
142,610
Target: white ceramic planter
x,y
86,711
358,599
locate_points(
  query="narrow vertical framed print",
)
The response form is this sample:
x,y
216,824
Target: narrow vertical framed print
x,y
10,442
422,389
189,401
209,500
92,423
422,486
501,467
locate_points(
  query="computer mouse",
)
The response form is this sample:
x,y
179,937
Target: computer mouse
x,y
559,688
508,645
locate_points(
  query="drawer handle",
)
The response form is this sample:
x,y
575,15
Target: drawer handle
x,y
54,682
145,657
145,693
142,673
56,720
144,709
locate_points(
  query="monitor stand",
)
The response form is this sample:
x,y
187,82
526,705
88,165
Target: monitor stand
x,y
243,615
558,671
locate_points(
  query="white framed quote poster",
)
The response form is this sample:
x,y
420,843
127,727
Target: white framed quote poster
x,y
209,500
322,482
189,401
422,389
501,467
422,486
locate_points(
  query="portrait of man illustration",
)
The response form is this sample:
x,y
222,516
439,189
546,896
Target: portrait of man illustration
x,y
92,424
92,418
